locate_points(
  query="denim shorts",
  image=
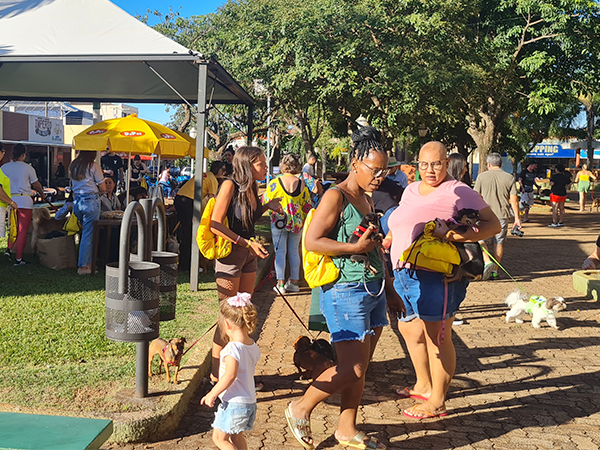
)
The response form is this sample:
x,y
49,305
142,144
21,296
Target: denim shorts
x,y
234,418
423,294
351,313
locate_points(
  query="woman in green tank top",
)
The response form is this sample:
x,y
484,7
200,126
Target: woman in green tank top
x,y
355,305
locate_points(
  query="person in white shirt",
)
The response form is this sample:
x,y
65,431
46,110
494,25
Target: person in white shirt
x,y
22,180
235,388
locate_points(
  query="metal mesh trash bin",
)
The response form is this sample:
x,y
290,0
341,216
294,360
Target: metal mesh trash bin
x,y
169,263
134,316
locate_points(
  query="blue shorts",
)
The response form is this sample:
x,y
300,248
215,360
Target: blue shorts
x,y
234,418
423,294
351,313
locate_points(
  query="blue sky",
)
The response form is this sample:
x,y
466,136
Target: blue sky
x,y
155,112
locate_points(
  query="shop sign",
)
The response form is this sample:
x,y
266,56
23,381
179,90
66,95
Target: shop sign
x,y
584,154
551,151
46,130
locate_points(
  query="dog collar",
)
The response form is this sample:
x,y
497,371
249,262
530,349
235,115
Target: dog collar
x,y
359,228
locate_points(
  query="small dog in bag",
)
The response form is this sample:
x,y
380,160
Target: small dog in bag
x,y
539,307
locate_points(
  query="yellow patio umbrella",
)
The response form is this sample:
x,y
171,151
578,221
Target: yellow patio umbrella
x,y
133,135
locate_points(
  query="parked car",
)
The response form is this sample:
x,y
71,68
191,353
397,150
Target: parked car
x,y
186,172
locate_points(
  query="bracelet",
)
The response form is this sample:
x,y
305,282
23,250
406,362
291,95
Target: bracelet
x,y
237,240
249,242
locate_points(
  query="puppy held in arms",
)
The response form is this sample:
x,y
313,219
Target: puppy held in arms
x,y
312,358
539,307
170,355
369,220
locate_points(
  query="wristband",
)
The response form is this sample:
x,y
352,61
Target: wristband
x,y
249,242
237,240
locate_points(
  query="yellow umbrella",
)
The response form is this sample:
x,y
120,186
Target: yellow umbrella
x,y
134,136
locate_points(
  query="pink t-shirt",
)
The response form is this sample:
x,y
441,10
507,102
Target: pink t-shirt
x,y
415,210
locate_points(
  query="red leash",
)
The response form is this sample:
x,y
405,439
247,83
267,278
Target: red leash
x,y
205,333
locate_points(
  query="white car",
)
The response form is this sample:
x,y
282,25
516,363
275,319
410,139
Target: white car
x,y
186,172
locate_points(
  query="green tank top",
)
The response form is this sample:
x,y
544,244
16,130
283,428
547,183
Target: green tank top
x,y
351,271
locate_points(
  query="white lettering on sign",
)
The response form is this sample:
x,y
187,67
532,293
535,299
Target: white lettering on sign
x,y
546,149
132,133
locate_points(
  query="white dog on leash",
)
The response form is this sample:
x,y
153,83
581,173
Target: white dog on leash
x,y
539,307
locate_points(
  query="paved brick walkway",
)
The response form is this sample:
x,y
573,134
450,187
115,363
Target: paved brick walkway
x,y
515,387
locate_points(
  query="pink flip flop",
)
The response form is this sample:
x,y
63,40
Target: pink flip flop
x,y
405,393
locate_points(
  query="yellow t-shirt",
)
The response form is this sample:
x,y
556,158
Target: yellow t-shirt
x,y
5,183
210,185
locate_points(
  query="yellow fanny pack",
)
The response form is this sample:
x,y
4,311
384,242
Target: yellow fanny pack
x,y
318,269
428,252
211,246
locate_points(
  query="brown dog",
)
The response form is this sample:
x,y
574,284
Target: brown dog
x,y
43,223
595,203
170,355
312,358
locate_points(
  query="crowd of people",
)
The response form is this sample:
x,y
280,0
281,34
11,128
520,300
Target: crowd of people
x,y
358,304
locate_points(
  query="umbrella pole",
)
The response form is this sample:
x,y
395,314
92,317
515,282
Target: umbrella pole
x,y
128,176
157,186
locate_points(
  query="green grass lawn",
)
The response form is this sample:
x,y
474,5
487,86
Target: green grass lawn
x,y
53,351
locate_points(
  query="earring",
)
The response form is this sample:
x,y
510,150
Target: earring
x,y
355,171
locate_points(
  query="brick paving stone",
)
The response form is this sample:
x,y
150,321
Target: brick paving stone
x,y
515,387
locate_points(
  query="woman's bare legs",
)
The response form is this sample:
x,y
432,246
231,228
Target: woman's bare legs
x,y
425,352
348,377
582,201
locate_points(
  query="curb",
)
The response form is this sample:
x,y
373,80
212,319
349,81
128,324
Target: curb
x,y
167,403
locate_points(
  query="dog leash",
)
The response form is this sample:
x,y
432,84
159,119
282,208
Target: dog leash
x,y
205,333
506,271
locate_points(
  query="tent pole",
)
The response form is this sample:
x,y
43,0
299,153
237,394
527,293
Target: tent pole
x,y
48,166
156,185
250,124
199,172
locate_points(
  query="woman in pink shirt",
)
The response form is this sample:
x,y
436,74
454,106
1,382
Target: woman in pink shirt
x,y
423,291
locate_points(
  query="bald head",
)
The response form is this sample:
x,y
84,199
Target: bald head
x,y
433,151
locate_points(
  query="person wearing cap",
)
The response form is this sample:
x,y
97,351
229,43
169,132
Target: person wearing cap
x,y
396,174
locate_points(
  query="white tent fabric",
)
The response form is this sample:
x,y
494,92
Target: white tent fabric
x,y
67,27
91,50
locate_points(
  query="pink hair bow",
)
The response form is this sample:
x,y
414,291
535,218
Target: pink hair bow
x,y
240,300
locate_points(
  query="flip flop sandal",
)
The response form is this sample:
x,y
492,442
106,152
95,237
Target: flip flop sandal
x,y
421,414
295,425
405,393
358,442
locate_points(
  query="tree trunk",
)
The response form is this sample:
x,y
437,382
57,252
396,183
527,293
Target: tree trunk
x,y
590,115
484,132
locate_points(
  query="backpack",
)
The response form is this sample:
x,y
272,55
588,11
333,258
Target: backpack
x,y
211,246
318,269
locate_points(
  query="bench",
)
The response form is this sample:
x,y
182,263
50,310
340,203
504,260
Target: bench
x,y
40,432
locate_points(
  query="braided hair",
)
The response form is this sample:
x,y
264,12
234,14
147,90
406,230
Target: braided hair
x,y
365,140
239,315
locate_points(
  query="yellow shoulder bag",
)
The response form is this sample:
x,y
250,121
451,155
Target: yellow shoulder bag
x,y
13,223
211,246
318,269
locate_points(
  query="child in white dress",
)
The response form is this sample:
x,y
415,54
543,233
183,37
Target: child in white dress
x,y
235,388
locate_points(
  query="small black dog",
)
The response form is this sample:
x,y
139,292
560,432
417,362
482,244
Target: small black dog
x,y
471,256
370,219
312,358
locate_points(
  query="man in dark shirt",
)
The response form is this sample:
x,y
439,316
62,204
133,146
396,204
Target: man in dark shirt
x,y
527,181
112,163
558,196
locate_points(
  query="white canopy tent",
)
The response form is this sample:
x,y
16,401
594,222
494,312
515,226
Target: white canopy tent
x,y
91,50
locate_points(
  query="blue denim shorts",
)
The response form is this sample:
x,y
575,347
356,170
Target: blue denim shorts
x,y
234,418
423,294
351,313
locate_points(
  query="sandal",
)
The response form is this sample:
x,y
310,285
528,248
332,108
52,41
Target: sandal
x,y
407,393
358,442
300,428
419,413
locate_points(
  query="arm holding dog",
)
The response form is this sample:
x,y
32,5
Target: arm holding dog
x,y
231,370
488,226
324,221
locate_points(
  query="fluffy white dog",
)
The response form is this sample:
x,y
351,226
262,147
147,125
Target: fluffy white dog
x,y
536,305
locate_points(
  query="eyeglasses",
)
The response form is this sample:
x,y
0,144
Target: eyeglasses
x,y
435,165
376,173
